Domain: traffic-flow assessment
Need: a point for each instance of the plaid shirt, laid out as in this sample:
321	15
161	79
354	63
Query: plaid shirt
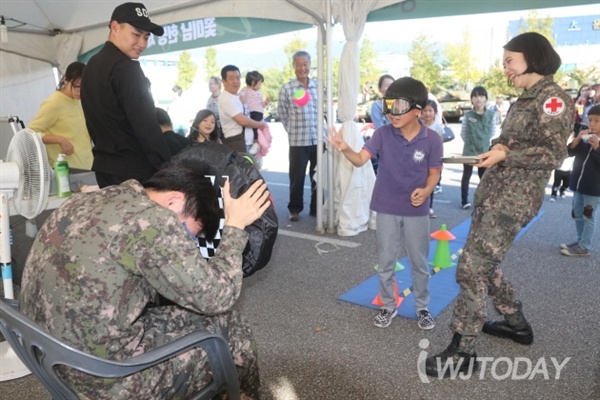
299	122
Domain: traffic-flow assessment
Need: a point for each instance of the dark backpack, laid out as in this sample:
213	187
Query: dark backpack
241	173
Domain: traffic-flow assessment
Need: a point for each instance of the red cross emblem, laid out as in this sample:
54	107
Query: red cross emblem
554	106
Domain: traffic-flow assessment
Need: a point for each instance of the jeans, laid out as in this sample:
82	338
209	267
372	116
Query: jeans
585	213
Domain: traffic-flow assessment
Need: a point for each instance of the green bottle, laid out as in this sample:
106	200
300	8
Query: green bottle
61	172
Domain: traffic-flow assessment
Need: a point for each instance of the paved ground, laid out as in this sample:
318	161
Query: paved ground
314	347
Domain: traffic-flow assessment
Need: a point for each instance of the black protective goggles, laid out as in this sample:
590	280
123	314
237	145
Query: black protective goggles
398	106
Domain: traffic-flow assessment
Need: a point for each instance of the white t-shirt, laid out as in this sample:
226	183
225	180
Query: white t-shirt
230	105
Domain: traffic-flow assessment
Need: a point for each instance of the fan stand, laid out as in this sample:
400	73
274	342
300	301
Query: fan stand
11	366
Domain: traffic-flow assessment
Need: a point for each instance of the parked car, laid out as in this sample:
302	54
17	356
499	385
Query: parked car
363	110
454	104
270	114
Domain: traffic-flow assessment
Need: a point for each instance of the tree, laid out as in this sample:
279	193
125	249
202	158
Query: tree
369	71
462	63
496	83
424	62
187	70
534	22
211	67
274	79
587	75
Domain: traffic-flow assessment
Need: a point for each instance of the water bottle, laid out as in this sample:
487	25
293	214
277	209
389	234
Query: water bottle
61	172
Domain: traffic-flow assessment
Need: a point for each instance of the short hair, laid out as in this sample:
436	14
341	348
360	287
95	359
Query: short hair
539	54
226	69
253	77
162	116
215	79
195	132
300	53
409	88
479	91
201	202
73	72
383	78
595	110
432	104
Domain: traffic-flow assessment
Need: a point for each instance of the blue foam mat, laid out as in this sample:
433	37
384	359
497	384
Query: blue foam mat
443	288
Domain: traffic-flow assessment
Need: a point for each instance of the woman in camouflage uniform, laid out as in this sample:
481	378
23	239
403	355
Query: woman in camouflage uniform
511	192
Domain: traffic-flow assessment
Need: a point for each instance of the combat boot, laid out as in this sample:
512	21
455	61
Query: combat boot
514	327
459	357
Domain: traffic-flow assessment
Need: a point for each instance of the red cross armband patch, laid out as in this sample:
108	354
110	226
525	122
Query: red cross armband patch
554	106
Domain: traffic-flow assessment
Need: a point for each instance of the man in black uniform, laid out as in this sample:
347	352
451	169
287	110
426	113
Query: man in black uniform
118	106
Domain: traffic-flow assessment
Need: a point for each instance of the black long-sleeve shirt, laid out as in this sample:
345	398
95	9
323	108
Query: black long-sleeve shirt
585	176
121	117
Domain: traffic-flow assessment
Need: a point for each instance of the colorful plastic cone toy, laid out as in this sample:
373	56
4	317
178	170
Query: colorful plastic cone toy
441	258
399	299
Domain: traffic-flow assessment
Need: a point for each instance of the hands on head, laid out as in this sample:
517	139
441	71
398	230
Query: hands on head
247	208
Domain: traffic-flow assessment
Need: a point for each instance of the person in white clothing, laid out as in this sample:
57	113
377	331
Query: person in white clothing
235	120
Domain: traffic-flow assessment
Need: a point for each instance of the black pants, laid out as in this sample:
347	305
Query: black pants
466	178
256	116
560	177
300	158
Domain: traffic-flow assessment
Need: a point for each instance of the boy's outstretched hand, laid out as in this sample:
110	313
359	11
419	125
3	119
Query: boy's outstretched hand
336	138
247	208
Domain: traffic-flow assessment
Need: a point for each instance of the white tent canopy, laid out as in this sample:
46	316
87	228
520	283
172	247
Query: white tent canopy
57	31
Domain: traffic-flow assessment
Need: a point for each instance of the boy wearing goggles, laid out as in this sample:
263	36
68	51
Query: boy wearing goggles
410	161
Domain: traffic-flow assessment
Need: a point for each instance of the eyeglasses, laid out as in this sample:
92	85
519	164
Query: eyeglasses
76	86
399	106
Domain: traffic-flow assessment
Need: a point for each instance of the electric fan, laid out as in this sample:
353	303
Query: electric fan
24	178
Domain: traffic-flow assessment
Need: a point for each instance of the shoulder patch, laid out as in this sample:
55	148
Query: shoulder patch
554	106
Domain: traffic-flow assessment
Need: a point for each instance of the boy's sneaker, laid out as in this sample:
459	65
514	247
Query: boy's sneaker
576	251
425	321
568	245
552	199
562	196
384	318
254	148
432	213
466	206
438	189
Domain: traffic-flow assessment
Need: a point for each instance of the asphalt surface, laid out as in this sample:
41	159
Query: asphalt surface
313	346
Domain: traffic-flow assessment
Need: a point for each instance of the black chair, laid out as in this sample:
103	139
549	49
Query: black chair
41	353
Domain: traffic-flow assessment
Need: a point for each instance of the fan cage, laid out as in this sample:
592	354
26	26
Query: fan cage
27	150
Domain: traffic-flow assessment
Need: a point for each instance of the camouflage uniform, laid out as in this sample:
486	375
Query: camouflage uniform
509	195
101	258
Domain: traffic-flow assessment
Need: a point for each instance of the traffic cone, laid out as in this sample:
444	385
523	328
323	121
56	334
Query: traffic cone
441	258
377	300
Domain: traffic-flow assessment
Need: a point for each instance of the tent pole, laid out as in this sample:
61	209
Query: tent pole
330	121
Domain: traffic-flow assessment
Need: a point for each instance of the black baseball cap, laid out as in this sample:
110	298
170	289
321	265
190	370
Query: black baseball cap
136	15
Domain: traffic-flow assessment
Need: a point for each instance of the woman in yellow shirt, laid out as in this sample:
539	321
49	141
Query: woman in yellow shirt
61	122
